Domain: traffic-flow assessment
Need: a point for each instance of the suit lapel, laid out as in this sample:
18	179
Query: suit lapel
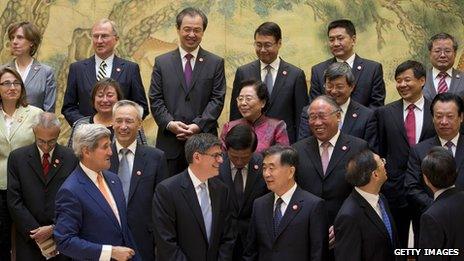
397	117
90	73
312	150
427	123
215	209
455	78
118	68
429	88
178	69
371	214
268	213
35	68
350	119
357	69
290	212
117	196
226	175
56	163
251	178
114	159
190	196
199	64
20	116
35	163
279	83
138	170
340	149
256	68
459	155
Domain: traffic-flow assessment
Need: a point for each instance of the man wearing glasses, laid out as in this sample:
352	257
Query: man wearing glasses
191	214
324	156
442	77
286	83
35	173
104	64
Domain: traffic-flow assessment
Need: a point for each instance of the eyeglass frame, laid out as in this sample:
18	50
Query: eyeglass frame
9	84
216	156
322	116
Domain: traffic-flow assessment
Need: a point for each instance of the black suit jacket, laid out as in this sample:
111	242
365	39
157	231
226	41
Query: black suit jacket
418	194
31	196
149	169
442	226
255	187
359	122
332	186
369	85
82	77
180	232
360	233
301	235
394	147
289	94
171	100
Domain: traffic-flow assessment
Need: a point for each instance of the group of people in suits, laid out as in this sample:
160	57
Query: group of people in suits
355	176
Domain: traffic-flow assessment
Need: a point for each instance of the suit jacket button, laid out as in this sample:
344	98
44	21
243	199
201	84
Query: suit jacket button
187	98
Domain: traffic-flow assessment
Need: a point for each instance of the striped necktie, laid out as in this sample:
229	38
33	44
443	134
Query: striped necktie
101	71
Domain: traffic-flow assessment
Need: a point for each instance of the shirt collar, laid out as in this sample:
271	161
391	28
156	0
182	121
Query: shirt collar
108	60
349	61
41	153
419	104
440	191
332	141
131	147
287	196
454	140
344	106
232	166
372	199
196	182
184	52
275	64
92	174
435	72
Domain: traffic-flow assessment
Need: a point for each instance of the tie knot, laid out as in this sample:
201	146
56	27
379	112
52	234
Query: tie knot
411	107
325	144
46	156
268	68
279	202
124	151
188	56
103	64
449	144
443	75
202	186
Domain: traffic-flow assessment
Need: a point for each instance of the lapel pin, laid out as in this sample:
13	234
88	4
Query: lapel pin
344	148
458	76
57	161
359	67
20	119
284	72
139	173
256	167
295	207
200	59
36	68
118	69
112	182
355	115
54	165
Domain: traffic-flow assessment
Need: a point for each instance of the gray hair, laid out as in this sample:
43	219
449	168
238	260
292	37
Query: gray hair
88	135
123	103
46	120
200	143
336	70
106	20
329	99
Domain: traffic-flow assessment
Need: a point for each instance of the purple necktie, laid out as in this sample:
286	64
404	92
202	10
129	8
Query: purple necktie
410	125
188	70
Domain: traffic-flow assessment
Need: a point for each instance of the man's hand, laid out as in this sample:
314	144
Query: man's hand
41	234
331	237
120	253
177	127
191	129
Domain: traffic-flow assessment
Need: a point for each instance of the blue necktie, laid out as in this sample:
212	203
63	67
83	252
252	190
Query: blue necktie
385	219
277	215
124	172
205	209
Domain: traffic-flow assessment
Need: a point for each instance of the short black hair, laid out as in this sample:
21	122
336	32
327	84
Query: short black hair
442	36
343	23
360	167
260	89
448	97
288	155
191	11
241	137
269	29
417	68
439	167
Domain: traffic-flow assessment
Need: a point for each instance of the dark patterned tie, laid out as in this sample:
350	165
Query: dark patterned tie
45	164
268	79
277	215
238	185
188	70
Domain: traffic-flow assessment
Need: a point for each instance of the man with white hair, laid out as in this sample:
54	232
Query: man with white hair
91	221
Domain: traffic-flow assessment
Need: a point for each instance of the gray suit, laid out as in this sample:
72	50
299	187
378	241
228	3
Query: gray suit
456	86
40	86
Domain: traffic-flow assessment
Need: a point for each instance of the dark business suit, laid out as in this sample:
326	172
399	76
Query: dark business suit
301	234
332	187
361	234
31	196
82	77
419	195
180	232
149	169
172	100
359	121
456	85
85	220
441	225
394	147
289	94
369	87
255	187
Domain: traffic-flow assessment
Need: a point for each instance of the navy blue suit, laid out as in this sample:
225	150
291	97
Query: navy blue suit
82	77
149	169
84	219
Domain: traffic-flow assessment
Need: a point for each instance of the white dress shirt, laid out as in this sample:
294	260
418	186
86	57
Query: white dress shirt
372	199
184	60
418	114
26	72
436	79
196	185
332	142
109	65
286	197
344	108
349	61
130	155
454	140
41	154
275	68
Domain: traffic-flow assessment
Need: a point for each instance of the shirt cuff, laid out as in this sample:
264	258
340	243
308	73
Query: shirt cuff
106	253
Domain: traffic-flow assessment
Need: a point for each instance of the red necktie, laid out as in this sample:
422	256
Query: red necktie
45	164
442	86
410	125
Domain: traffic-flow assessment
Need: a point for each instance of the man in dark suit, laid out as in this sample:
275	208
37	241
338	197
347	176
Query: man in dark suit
287	223
442	77
447	112
187	90
326	154
286	83
35	173
242	172
140	169
191	212
91	220
441	224
104	64
369	85
364	227
400	125
356	119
